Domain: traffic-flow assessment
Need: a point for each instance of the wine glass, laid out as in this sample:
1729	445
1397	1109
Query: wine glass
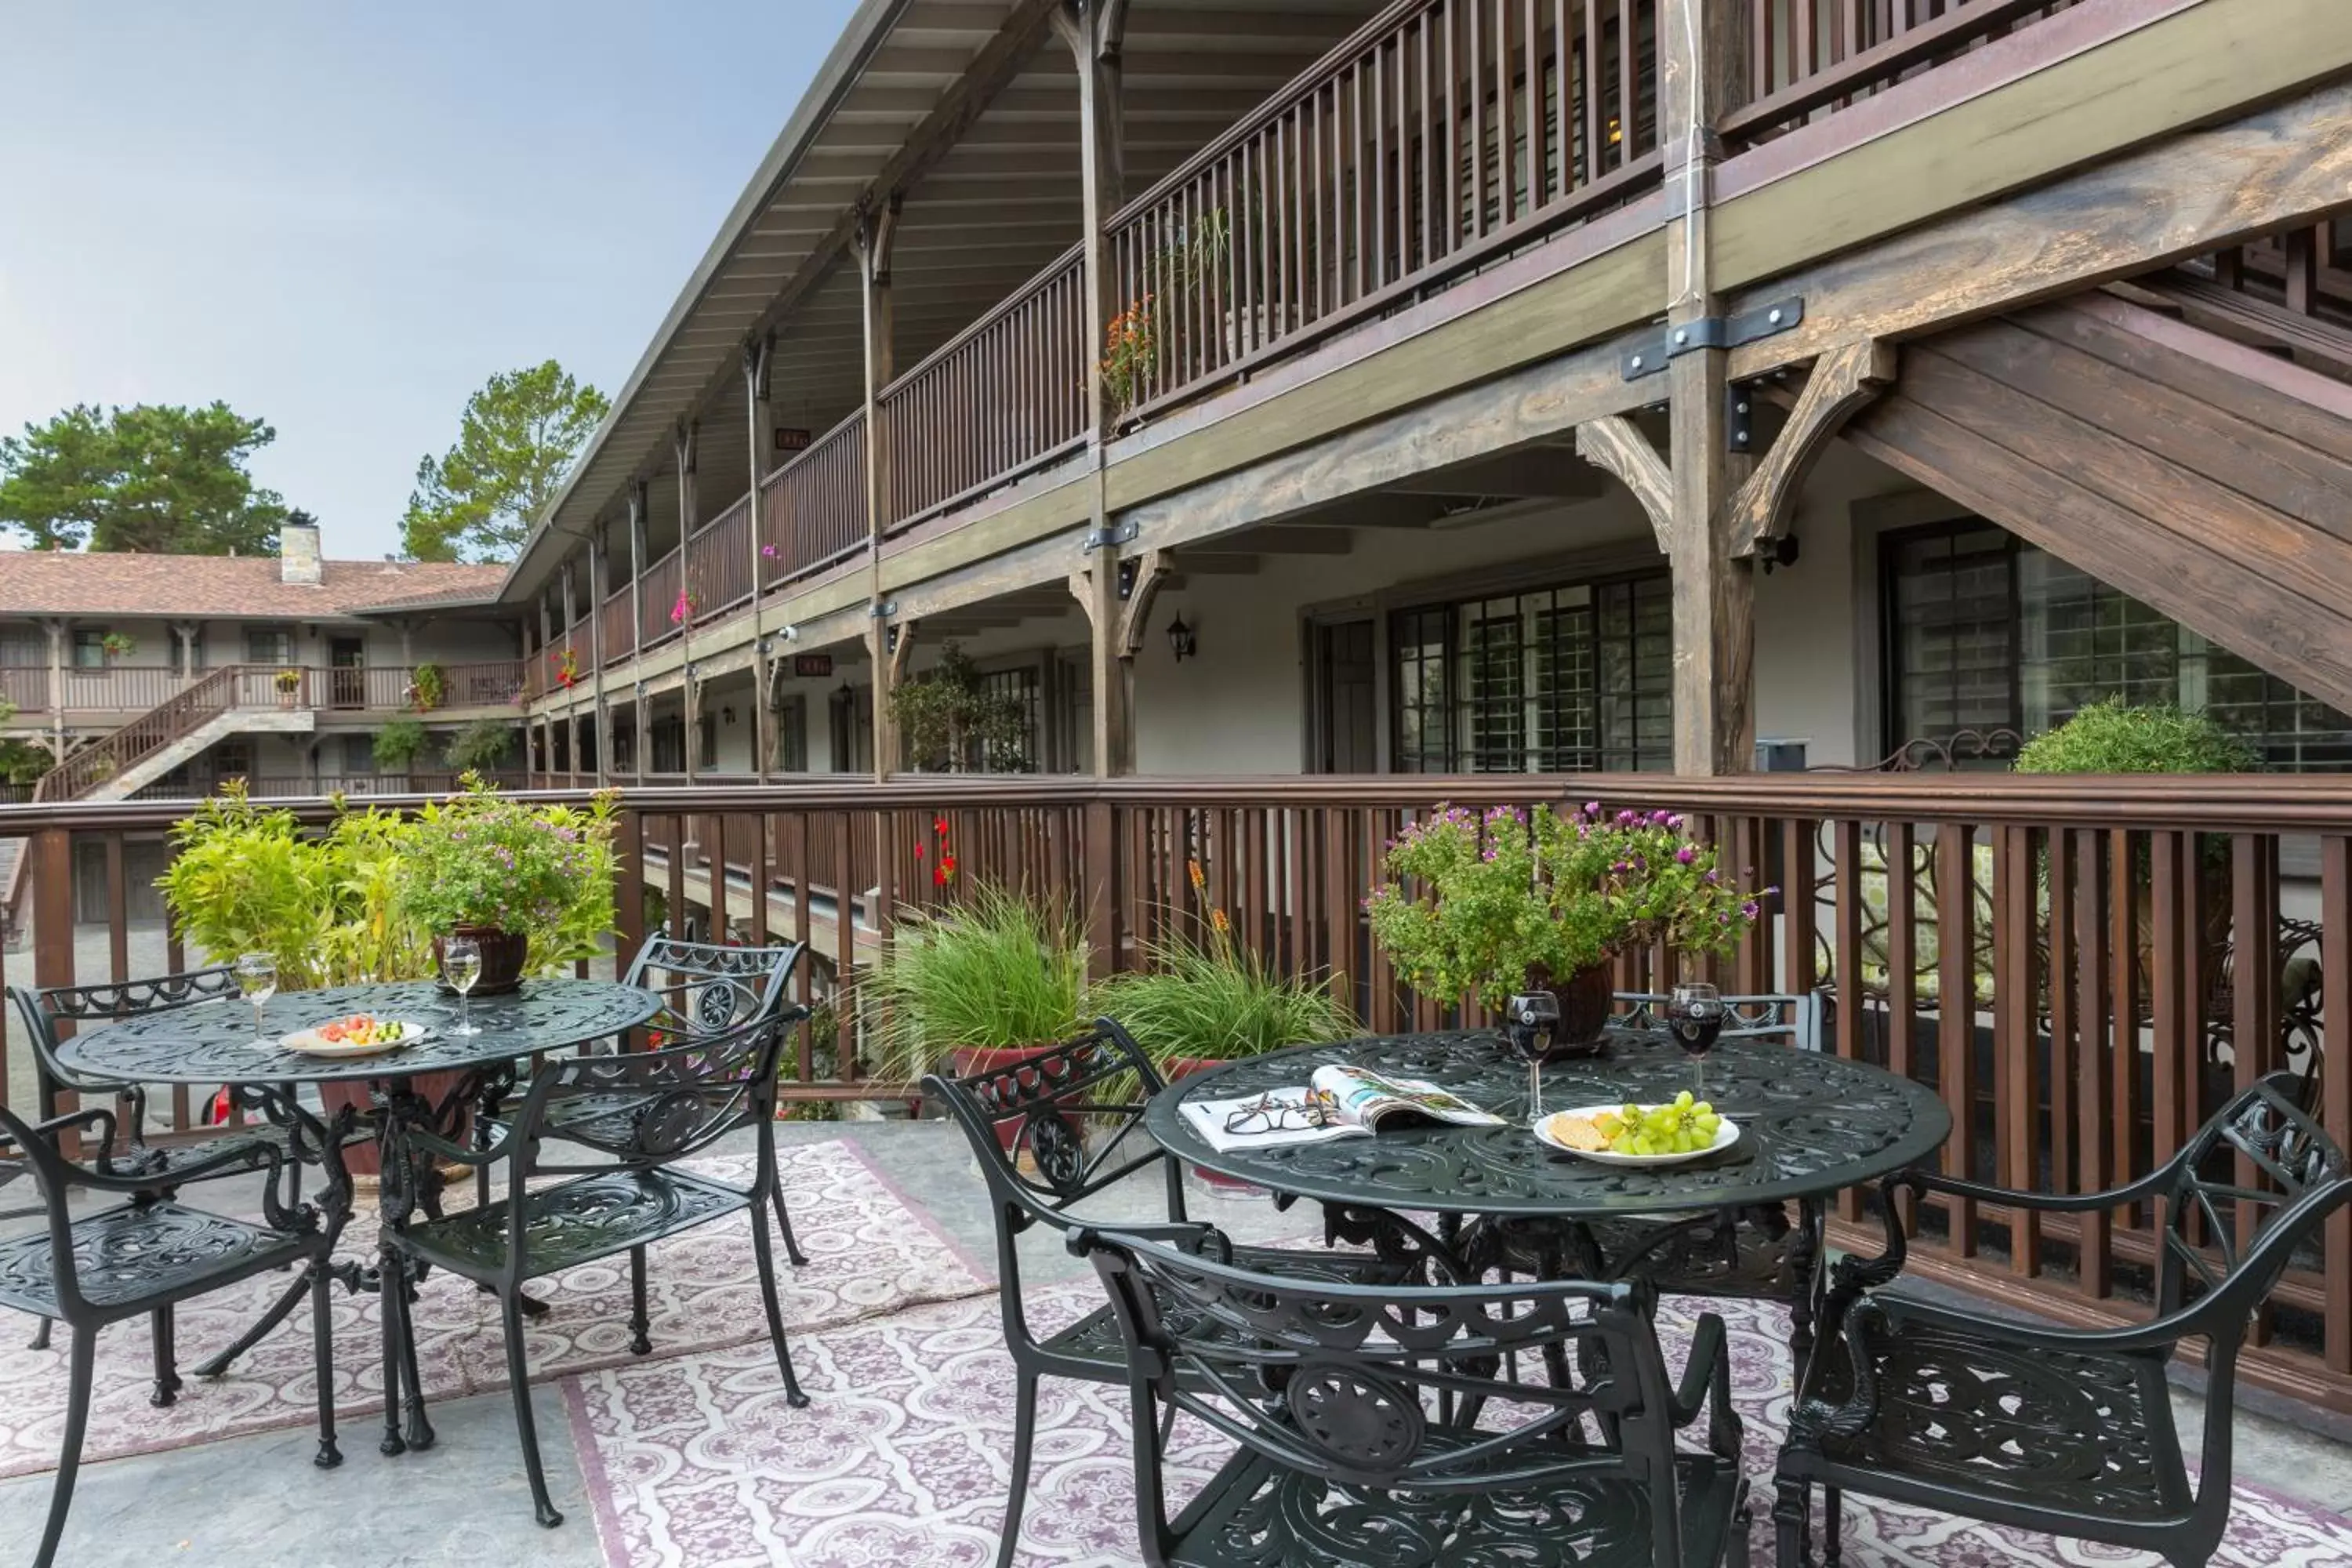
1695	1018
461	965
256	976
1531	1021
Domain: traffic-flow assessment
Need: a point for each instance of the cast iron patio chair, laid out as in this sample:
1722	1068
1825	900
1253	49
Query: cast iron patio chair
2064	1431
1350	1450
705	990
662	1108
160	1169
1076	1112
142	1258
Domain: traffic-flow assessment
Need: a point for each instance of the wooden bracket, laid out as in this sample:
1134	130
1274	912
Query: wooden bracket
1842	380
878	230
1616	444
902	646
1082	589
1134	616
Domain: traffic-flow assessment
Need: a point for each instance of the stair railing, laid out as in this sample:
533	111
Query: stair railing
173	719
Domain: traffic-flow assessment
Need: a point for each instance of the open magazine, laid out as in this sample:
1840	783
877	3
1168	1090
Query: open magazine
1341	1102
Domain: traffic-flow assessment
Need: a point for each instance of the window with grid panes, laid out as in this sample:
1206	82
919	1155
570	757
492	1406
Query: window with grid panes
1574	678
1985	632
1020	686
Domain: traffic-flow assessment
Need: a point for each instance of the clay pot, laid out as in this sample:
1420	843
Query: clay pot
503	954
968	1060
1586	1003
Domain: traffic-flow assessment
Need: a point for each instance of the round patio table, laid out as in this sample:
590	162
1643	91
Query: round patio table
1810	1126
216	1043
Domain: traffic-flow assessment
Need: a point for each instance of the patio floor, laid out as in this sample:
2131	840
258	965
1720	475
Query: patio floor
256	1499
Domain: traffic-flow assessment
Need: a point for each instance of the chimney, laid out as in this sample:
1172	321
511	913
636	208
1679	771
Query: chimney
297	553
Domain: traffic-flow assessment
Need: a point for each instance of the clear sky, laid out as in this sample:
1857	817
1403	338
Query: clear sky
344	216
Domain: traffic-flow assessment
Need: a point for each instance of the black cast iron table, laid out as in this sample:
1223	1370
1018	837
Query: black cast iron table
214	1043
1811	1125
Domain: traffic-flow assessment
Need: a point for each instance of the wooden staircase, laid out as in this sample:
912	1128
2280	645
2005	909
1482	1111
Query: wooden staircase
2206	473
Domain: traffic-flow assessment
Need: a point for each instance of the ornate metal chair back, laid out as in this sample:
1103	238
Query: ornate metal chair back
1797	1019
44	1011
1347	1383
2250	1188
706	988
663	1106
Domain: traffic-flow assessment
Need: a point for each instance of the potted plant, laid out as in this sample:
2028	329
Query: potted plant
532	886
983	985
427	687
479	746
566	663
288	682
118	645
2117	737
1482	907
397	745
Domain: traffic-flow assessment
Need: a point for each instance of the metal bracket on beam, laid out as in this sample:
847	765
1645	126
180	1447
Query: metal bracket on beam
881	609
1739	417
1111	538
1653	351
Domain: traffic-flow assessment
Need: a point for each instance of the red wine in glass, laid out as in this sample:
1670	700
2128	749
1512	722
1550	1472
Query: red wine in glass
1695	1018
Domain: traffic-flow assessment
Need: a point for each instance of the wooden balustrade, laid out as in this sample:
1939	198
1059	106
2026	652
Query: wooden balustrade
121	688
812	510
1006	395
657	598
719	561
26	687
1810	58
619	627
1442	134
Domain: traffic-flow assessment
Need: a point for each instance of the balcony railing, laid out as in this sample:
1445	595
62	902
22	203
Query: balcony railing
2080	968
1444	133
26	686
1812	58
1006	395
719	561
657	598
122	688
618	619
812	510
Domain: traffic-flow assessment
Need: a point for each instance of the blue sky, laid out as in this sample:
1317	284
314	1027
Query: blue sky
343	217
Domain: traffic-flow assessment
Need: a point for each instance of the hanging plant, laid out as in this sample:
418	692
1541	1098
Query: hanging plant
118	645
427	687
682	613
566	660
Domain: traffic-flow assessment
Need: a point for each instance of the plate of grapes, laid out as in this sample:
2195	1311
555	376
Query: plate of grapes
1679	1130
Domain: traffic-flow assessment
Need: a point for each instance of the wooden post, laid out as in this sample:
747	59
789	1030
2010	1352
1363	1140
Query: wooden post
596	595
1092	29
757	352
1702	56
56	630
571	645
683	442
878	225
637	509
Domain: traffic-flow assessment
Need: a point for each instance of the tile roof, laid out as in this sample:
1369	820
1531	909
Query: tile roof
67	583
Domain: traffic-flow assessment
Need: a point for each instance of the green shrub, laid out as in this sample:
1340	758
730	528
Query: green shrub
2115	737
480	746
1218	1000
481	859
996	972
397	744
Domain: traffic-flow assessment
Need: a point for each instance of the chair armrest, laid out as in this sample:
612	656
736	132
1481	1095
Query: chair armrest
1706	1380
2155	1184
442	1149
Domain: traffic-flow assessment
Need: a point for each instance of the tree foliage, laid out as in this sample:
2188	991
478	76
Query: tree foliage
483	743
154	478
952	721
515	443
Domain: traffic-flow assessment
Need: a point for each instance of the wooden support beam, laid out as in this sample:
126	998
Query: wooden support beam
1151	571
1842	381
1217	563
1540	470
1328	540
1615	445
877	223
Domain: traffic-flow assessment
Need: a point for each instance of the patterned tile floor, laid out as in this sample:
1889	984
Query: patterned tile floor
253	1499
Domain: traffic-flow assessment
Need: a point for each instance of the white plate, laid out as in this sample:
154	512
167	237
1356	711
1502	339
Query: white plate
1726	1135
310	1043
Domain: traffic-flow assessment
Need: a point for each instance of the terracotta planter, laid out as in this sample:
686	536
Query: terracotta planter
1178	1068
361	1159
1585	1004
971	1061
503	952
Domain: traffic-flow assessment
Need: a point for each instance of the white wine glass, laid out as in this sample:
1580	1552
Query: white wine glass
256	976
461	965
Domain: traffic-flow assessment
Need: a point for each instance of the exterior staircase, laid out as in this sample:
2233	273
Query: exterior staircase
236	699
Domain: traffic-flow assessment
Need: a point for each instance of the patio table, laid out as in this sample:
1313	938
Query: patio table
1811	1125
213	1043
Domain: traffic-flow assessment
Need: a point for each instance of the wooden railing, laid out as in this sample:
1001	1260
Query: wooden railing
215	693
296	786
121	688
26	686
620	626
812	510
492	683
1442	133
1006	395
1810	58
2081	968
719	561
657	600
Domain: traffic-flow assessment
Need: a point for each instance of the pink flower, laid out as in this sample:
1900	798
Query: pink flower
1685	855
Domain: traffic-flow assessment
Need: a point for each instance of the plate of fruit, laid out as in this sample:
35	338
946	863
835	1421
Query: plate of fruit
1631	1134
356	1035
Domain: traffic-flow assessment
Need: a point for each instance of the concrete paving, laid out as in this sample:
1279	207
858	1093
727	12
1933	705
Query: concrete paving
255	1500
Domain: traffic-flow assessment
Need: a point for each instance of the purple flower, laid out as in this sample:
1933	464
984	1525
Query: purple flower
1628	818
1710	879
1685	855
1748	908
1592	808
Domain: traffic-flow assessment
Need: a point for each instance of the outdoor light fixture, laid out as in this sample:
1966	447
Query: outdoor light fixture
1781	552
727	714
1180	638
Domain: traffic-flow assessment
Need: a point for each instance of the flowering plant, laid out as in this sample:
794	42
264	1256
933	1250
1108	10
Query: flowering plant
566	660
480	859
1129	344
683	611
1480	900
287	681
944	869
